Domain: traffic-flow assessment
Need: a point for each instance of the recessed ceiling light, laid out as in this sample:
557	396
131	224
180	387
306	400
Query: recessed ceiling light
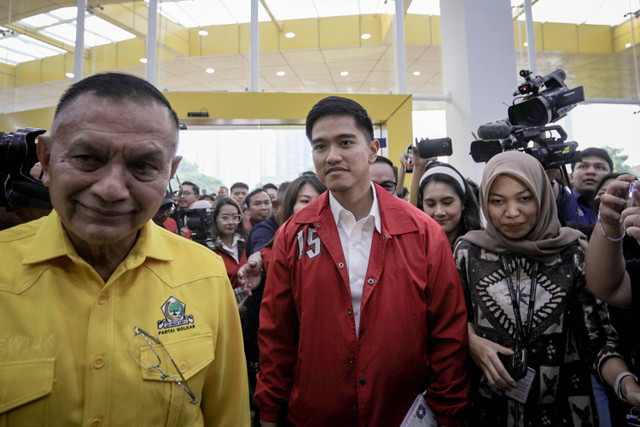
290	35
203	33
143	60
280	73
210	70
628	45
344	73
416	73
70	75
525	44
365	36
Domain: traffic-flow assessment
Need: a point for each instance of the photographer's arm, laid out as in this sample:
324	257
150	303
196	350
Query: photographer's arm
628	387
605	265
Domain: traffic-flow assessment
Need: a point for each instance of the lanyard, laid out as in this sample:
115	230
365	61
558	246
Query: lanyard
524	335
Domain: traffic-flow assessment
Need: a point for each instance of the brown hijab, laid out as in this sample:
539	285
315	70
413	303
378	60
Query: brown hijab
547	237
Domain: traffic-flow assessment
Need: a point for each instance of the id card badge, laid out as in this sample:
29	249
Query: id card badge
419	415
521	391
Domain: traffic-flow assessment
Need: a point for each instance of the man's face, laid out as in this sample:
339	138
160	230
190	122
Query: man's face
223	191
107	165
382	174
272	193
342	155
239	194
587	174
187	197
259	207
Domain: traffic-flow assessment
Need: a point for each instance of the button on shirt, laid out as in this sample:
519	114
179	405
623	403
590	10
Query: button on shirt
233	250
356	238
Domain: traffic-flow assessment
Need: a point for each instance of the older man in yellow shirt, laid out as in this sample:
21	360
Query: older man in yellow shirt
106	318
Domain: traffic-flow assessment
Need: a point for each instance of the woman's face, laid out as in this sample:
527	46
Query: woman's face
306	195
441	202
226	221
512	207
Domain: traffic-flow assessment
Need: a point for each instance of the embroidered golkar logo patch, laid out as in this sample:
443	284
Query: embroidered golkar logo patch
174	315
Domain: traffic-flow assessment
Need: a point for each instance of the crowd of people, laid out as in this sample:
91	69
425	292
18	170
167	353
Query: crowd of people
338	298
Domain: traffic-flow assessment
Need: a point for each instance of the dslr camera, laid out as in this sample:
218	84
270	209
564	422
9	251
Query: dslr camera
199	221
436	147
538	102
17	157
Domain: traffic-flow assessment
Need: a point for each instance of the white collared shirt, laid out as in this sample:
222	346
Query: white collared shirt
356	239
233	250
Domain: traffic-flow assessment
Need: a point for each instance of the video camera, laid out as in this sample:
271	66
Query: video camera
17	157
199	221
539	101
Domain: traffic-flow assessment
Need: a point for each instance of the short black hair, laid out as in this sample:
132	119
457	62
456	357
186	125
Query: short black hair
339	106
239	185
196	189
596	152
116	87
382	159
270	185
247	199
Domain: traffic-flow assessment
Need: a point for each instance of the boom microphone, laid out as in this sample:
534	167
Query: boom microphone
496	130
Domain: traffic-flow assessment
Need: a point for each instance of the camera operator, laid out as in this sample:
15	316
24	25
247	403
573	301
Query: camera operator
575	207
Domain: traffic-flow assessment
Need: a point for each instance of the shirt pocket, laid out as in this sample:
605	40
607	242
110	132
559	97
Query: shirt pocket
163	400
25	387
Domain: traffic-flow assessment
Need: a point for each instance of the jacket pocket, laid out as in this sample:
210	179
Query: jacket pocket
24	387
164	391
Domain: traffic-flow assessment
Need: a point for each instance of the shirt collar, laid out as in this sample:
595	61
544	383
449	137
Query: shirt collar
337	208
51	241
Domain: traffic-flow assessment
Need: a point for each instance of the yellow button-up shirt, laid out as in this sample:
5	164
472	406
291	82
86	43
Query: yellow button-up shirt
68	352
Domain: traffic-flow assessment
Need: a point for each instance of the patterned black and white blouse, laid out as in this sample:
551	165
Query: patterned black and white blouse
571	336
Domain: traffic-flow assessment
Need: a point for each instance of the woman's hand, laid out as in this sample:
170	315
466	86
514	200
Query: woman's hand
250	274
485	354
631	391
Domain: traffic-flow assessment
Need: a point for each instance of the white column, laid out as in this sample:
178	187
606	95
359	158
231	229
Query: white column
78	54
401	63
479	67
531	37
152	42
254	54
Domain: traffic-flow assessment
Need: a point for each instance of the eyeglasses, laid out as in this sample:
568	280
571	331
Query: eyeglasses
185	193
161	354
234	218
390	186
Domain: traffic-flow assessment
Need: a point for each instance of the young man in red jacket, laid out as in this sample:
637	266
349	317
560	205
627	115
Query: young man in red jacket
363	308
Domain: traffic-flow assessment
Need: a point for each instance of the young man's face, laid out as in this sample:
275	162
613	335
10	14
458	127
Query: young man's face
342	154
587	173
239	194
187	196
259	207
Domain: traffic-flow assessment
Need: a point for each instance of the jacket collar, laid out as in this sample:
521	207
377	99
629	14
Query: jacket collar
394	212
51	241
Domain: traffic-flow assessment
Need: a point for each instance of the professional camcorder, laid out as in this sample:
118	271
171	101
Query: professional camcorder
17	157
199	221
539	101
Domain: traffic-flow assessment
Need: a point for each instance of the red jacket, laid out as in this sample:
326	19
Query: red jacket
413	324
232	266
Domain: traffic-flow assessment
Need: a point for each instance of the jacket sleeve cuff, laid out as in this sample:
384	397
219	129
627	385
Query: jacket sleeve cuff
270	417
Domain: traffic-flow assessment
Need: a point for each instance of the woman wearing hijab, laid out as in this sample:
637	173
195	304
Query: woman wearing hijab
536	332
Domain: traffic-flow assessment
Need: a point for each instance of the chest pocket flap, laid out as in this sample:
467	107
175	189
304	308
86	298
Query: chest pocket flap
190	356
24	381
